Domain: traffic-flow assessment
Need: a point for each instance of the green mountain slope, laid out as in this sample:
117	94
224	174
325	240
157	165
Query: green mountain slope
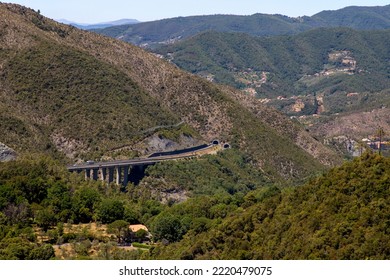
67	91
324	62
327	76
365	18
93	103
343	214
291	61
168	30
174	29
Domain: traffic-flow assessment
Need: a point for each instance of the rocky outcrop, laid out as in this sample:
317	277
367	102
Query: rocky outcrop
6	153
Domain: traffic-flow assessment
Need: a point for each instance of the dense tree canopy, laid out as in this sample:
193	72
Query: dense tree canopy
342	214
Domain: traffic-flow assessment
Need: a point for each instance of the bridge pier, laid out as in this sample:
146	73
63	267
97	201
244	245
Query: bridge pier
111	174
87	174
125	175
95	172
103	174
121	175
118	175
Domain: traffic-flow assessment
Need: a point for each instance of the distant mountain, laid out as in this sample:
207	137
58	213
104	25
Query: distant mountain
73	93
171	30
99	25
332	74
363	18
316	61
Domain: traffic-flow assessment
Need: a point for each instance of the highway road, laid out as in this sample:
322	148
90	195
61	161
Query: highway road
210	149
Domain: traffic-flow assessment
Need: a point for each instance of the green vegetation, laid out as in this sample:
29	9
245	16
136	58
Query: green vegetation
76	91
84	96
162	31
231	211
41	203
230	172
343	214
290	61
168	30
38	197
366	18
76	94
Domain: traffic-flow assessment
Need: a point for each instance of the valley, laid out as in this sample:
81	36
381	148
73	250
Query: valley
232	142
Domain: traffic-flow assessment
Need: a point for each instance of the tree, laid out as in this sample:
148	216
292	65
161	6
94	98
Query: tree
84	203
16	248
18	214
167	226
45	218
141	234
380	133
45	252
110	210
59	196
121	229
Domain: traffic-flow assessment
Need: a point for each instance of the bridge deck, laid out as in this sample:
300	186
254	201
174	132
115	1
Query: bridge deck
145	161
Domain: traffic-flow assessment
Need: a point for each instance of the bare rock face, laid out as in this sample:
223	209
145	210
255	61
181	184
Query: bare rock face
6	153
159	144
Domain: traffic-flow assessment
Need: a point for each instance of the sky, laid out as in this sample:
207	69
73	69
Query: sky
97	11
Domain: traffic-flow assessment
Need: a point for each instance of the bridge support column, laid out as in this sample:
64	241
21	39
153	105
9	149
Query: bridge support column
103	174
87	174
118	175
125	175
111	174
95	172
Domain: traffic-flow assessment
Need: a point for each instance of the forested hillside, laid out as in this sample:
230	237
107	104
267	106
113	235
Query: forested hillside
365	18
73	93
41	203
230	211
335	81
175	29
318	61
150	34
343	214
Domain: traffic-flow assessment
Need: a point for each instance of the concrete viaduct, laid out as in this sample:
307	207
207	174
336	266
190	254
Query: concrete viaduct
119	170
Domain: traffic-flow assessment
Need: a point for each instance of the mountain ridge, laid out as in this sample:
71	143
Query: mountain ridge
131	80
150	34
87	26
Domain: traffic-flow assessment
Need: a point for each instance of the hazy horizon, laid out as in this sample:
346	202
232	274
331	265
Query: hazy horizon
100	11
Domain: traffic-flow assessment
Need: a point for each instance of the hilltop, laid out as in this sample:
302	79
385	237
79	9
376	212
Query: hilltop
70	92
172	30
362	18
